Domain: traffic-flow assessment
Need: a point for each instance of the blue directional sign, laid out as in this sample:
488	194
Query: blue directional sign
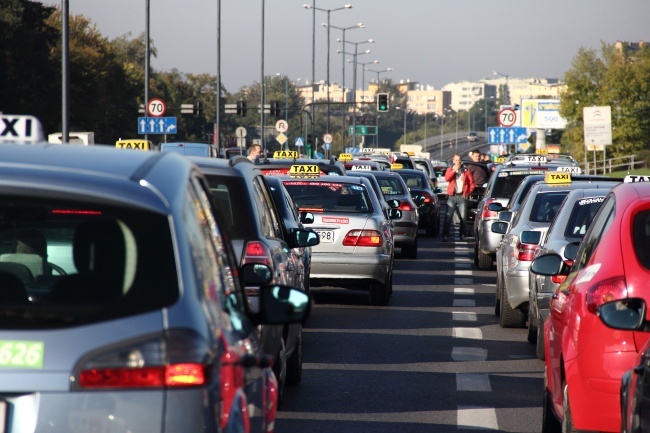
156	125
513	135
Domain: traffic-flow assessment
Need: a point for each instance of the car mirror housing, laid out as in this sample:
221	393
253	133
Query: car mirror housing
281	305
548	264
256	274
394	203
394	214
495	207
571	250
506	216
531	237
418	199
625	314
500	227
306	217
305	238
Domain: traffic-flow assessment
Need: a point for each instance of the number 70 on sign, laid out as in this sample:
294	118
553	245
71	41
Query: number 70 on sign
507	117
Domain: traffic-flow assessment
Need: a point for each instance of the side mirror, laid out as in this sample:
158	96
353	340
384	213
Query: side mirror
256	274
418	199
625	314
394	203
530	237
495	207
394	214
304	238
500	227
571	250
549	265
306	217
282	304
438	190
505	215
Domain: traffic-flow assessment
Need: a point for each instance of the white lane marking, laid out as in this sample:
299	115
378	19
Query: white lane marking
463	291
460	272
469	333
473	382
461	316
463	281
473	417
468	354
464	303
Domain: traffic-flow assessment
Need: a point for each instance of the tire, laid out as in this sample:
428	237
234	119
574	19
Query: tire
379	293
497	298
411	251
484	260
294	364
550	423
539	346
509	317
476	254
532	330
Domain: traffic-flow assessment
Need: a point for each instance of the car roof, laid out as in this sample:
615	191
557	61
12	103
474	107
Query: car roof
327	166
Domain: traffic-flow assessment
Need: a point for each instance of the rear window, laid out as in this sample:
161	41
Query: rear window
546	206
581	216
66	263
329	196
391	186
642	237
413	181
506	182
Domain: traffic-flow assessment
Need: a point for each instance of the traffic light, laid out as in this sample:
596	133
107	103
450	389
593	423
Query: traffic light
275	109
242	108
198	109
382	102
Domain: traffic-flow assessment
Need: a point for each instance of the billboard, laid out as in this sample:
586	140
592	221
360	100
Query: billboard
541	114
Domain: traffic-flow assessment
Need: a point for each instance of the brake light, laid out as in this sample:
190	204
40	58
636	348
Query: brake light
606	291
257	252
363	238
406	206
526	252
75	212
487	213
231	380
157	377
559	279
427	197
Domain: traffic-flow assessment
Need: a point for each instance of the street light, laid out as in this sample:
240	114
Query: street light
403	109
380	72
507	92
363	75
329	11
354	82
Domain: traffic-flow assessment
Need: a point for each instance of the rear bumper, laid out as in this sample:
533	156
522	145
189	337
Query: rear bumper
355	268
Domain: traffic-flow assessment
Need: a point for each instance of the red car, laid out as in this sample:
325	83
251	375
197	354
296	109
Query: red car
585	360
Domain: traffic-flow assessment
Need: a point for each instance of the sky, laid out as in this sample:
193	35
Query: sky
431	42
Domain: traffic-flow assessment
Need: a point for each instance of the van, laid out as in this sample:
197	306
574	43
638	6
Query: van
187	149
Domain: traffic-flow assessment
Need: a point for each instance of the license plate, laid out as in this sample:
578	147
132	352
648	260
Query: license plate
326	236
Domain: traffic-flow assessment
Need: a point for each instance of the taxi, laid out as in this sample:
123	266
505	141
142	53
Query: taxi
521	237
356	249
585	361
135	144
283	160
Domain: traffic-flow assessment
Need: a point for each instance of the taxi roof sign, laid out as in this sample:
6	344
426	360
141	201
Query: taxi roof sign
361	167
395	166
285	154
635	178
557	178
304	170
345	157
20	129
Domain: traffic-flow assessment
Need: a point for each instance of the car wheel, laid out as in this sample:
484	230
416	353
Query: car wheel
380	293
539	347
509	317
280	371
411	251
550	423
484	260
294	364
497	298
532	330
476	254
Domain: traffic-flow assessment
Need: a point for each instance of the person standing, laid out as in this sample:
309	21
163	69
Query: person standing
254	151
461	185
480	172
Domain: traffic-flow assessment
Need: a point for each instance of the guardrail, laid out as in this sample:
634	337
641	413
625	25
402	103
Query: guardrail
618	163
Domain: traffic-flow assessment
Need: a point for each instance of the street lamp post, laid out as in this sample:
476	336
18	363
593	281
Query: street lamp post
363	75
354	84
442	129
329	11
380	72
404	110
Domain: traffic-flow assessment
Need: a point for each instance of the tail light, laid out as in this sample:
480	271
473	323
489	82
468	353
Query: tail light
406	206
174	361
363	238
606	291
427	197
231	381
526	252
257	252
559	279
270	403
487	213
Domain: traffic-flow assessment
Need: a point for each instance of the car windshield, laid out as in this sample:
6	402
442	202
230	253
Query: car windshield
329	196
65	263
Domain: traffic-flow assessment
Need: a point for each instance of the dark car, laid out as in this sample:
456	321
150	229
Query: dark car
245	205
119	285
426	197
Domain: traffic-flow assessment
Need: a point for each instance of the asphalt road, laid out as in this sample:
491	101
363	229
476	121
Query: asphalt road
434	360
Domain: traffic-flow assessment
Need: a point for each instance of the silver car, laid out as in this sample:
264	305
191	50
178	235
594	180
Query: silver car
519	245
569	226
121	309
356	248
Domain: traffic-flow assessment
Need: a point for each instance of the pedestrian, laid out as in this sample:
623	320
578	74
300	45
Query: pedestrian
479	169
254	151
460	186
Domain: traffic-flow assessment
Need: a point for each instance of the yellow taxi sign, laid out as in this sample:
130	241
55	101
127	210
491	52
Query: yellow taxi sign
541	151
396	166
285	154
410	153
345	157
304	170
555	177
500	159
134	144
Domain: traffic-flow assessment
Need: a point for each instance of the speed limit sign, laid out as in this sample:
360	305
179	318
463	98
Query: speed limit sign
156	107
507	117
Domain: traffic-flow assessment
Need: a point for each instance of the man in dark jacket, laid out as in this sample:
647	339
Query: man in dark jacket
461	185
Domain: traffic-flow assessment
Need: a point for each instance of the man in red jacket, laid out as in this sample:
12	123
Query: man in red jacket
461	184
